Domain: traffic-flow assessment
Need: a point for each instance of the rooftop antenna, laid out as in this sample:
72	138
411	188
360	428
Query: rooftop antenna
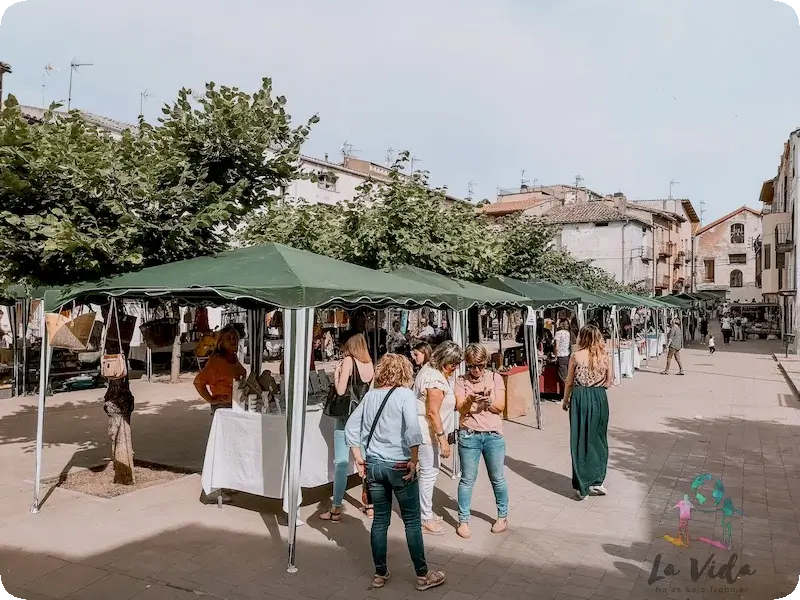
347	150
702	211
143	96
74	65
523	183
672	183
46	70
578	181
4	68
471	189
389	156
414	160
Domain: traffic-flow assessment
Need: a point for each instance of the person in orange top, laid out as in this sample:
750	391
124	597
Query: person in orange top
215	382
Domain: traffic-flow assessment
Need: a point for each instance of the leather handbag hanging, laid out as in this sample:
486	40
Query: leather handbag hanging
342	406
113	366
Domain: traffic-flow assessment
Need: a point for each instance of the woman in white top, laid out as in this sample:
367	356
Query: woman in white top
436	404
563	340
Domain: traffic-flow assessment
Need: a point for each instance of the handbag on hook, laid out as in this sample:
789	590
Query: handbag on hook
113	366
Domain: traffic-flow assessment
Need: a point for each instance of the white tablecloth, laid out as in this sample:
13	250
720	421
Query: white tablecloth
652	347
637	357
246	451
626	362
662	342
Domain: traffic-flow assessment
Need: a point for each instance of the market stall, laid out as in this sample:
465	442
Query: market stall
259	278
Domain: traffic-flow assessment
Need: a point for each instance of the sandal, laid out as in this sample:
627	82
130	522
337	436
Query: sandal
378	581
369	511
432	528
330	515
463	531
431	580
500	525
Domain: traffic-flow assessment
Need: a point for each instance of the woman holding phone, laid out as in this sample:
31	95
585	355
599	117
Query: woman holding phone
480	399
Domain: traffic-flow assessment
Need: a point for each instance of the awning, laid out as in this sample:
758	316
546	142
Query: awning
540	295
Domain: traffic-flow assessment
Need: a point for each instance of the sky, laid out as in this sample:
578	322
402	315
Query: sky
628	94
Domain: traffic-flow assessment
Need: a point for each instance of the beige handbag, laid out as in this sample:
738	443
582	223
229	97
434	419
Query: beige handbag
113	366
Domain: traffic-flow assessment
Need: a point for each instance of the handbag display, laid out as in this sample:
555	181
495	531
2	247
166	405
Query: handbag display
113	366
342	406
69	333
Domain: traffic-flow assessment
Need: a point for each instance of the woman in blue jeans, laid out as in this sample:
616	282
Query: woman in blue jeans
480	399
384	435
356	371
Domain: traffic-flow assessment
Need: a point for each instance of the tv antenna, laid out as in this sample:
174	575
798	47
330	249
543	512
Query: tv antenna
74	65
143	96
471	189
389	156
578	181
702	211
672	183
46	70
523	183
414	160
347	150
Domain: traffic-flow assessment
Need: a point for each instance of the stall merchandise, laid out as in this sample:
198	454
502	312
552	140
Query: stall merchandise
261	278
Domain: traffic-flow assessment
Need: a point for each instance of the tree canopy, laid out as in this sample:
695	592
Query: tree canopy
404	221
77	204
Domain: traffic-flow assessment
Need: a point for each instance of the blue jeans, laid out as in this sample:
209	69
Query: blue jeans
385	479
341	460
471	445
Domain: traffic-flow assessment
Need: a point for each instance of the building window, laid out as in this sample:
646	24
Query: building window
767	256
709	274
601	224
780	260
737	259
327	182
736	278
737	233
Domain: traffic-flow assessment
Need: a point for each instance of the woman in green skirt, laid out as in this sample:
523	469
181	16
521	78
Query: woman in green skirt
590	373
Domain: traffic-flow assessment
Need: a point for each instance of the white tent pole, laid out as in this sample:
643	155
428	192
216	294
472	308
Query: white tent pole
44	373
298	332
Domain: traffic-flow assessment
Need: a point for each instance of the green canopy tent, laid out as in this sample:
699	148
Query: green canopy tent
270	276
540	295
17	299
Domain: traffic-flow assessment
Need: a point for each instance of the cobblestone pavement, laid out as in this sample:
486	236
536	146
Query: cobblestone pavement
732	416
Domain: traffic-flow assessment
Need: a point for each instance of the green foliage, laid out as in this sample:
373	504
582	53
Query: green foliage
76	204
402	221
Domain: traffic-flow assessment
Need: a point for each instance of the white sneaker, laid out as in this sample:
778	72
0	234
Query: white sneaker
578	495
220	496
598	490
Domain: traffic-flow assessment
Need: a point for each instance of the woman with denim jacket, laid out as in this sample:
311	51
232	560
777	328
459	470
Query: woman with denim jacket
480	399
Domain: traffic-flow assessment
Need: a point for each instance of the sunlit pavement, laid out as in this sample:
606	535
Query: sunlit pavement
732	416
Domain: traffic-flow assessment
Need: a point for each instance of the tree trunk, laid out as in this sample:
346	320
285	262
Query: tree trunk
119	408
175	371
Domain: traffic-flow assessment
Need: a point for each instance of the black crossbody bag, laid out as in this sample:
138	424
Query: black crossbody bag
366	498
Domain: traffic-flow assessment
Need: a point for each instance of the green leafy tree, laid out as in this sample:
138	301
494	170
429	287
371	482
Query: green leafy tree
76	204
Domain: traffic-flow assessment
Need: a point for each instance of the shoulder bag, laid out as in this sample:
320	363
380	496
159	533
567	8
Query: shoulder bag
113	366
366	498
342	406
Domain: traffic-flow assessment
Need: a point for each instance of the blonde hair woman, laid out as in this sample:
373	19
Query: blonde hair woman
384	435
354	371
436	404
481	398
590	374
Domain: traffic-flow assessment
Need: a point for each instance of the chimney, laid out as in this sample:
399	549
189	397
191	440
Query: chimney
621	202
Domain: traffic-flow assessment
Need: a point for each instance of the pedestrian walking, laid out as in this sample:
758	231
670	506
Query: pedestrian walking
703	329
711	345
384	436
481	398
563	347
726	329
675	345
586	400
692	327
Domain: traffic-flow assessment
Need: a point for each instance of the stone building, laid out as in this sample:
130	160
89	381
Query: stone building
725	256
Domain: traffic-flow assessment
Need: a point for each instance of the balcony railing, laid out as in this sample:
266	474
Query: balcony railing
662	282
680	256
666	249
786	280
783	237
646	254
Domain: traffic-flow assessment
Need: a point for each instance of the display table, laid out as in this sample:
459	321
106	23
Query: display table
637	355
246	451
549	382
519	392
626	362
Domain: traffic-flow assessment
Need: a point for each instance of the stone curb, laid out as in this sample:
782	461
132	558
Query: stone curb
788	377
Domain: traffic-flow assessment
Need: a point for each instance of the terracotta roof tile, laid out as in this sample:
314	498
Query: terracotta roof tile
504	208
590	212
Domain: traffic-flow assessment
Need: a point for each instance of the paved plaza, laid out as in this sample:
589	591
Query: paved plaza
733	416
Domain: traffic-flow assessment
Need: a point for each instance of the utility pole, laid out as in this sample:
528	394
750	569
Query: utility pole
73	68
414	160
471	190
4	68
142	97
702	211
